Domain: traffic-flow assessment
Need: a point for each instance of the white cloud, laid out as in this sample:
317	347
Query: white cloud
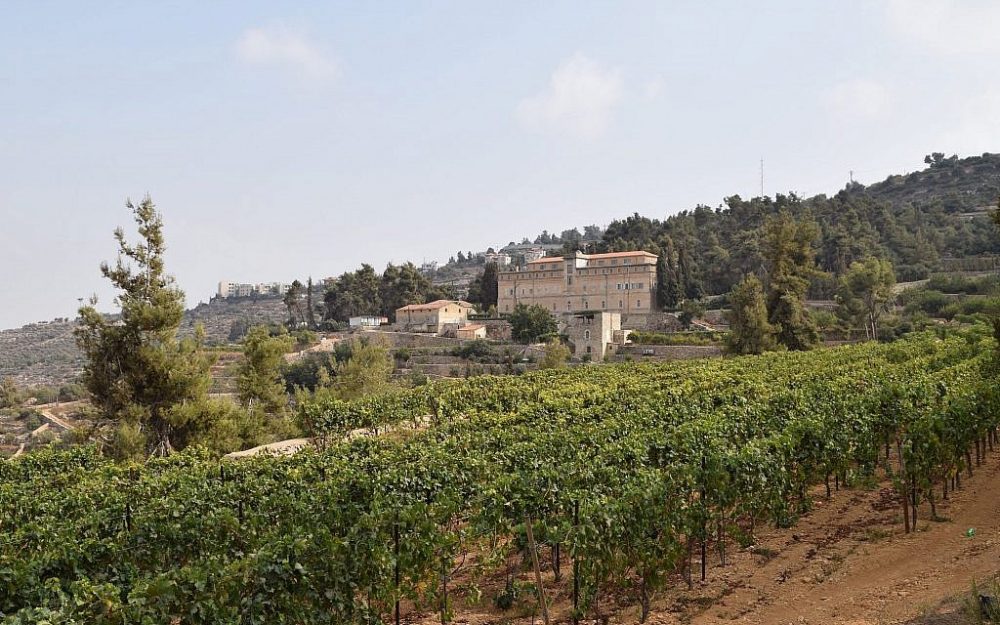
947	26
579	100
860	99
654	88
279	46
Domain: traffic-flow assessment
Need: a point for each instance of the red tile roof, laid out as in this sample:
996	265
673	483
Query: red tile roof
553	259
441	303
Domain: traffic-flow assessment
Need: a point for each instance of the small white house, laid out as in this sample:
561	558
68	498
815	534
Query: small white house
367	321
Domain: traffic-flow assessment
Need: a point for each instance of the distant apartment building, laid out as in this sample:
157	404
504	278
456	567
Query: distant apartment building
523	253
497	258
624	282
246	289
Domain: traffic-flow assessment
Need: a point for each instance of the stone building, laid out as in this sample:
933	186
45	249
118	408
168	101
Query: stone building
471	331
433	317
624	282
594	333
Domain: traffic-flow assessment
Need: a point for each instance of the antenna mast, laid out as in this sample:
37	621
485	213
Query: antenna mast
762	176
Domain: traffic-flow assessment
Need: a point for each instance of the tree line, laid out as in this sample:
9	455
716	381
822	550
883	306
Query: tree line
912	221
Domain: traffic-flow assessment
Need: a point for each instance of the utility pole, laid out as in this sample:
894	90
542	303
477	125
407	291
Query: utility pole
762	176
852	176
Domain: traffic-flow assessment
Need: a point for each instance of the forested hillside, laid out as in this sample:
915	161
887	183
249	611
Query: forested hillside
914	220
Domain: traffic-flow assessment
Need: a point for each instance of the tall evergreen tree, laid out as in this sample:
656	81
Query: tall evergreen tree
293	302
139	374
310	311
788	248
690	284
259	374
489	286
749	330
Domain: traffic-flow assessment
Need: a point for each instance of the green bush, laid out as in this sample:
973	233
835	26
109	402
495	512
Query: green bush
640	337
922	300
476	349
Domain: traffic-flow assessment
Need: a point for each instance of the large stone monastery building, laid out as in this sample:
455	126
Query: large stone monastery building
623	282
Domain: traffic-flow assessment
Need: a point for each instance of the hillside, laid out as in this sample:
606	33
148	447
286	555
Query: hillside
915	220
45	353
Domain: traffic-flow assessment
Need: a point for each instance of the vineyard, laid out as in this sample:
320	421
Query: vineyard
619	479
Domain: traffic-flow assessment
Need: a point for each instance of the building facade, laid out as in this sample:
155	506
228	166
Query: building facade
246	289
471	331
594	334
367	321
433	317
624	282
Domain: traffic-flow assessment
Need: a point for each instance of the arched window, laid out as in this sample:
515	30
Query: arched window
586	335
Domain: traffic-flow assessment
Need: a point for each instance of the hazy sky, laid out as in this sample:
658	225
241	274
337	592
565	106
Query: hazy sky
282	140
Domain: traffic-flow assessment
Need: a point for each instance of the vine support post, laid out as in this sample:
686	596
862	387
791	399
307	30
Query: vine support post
444	594
904	488
704	523
538	570
556	564
395	540
576	568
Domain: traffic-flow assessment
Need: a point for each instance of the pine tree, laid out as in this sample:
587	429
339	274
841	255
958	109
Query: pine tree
690	284
791	258
489	292
749	330
259	374
138	373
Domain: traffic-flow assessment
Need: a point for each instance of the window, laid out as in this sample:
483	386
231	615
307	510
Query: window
603	304
586	335
586	304
588	349
638	303
621	304
569	305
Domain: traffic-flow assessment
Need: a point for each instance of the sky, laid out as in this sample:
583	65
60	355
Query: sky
283	140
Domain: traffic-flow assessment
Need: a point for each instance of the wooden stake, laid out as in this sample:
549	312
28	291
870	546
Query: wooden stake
538	570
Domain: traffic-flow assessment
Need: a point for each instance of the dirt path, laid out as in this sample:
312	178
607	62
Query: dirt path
849	563
56	420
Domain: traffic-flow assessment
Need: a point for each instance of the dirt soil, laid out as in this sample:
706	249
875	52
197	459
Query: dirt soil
846	562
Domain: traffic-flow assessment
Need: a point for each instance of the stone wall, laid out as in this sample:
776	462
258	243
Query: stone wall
668	352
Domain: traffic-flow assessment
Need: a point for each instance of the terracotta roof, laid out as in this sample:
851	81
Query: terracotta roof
551	259
441	303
